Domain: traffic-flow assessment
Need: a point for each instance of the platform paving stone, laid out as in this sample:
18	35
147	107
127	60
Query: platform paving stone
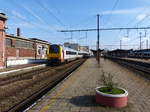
77	92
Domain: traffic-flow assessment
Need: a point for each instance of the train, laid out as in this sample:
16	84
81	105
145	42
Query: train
57	54
144	53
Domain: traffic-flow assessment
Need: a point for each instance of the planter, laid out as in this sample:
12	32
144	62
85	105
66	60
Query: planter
113	100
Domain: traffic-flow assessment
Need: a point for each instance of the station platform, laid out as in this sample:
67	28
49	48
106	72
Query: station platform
77	92
139	60
22	68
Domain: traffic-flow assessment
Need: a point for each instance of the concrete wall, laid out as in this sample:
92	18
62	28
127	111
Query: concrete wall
25	61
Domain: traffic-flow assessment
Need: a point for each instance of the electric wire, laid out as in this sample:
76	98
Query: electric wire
113	8
35	15
132	20
50	13
31	13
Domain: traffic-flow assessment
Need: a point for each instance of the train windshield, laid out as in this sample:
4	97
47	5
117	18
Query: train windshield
54	49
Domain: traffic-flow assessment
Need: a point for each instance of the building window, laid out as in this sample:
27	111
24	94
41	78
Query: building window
8	42
39	50
24	44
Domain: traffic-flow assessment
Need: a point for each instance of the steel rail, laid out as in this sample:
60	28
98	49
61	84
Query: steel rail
137	65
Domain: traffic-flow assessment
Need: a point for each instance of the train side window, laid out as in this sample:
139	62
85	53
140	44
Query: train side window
70	53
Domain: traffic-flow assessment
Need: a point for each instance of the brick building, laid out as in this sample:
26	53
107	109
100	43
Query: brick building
15	50
20	50
3	19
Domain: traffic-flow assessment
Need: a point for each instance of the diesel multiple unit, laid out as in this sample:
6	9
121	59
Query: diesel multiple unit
60	54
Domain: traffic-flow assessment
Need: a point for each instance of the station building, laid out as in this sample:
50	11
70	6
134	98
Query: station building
117	53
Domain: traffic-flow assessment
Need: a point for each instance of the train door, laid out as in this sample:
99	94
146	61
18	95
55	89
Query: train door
62	57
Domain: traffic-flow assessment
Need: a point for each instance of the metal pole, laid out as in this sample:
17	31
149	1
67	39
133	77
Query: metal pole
140	40
71	37
86	39
120	44
98	57
146	44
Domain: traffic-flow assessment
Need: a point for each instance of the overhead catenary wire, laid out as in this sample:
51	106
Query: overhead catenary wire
86	20
53	5
32	24
141	11
115	4
50	12
34	15
102	29
37	17
42	5
113	8
145	30
133	19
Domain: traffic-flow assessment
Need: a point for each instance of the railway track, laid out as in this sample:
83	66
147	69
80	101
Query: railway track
136	65
53	75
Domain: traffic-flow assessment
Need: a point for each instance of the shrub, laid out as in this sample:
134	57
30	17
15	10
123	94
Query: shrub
107	80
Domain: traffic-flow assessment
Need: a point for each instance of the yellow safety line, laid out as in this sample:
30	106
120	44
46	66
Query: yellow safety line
59	93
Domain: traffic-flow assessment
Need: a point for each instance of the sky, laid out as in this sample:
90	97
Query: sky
44	19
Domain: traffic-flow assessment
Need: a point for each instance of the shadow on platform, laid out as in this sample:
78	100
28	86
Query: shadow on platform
84	101
89	101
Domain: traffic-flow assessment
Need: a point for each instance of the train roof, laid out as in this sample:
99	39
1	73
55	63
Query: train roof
73	50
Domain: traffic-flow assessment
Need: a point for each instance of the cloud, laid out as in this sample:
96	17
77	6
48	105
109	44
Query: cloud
123	11
141	17
17	14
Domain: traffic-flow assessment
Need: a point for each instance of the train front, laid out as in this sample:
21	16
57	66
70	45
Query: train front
55	54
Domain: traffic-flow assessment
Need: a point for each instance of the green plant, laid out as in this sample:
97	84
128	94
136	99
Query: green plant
107	80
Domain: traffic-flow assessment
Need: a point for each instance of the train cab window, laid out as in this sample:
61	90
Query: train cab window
54	49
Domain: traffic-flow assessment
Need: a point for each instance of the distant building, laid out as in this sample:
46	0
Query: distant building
74	46
84	48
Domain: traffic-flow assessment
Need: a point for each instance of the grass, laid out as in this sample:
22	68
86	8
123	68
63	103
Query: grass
113	91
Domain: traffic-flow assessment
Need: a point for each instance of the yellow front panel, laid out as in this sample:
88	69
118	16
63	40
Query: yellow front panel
54	55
